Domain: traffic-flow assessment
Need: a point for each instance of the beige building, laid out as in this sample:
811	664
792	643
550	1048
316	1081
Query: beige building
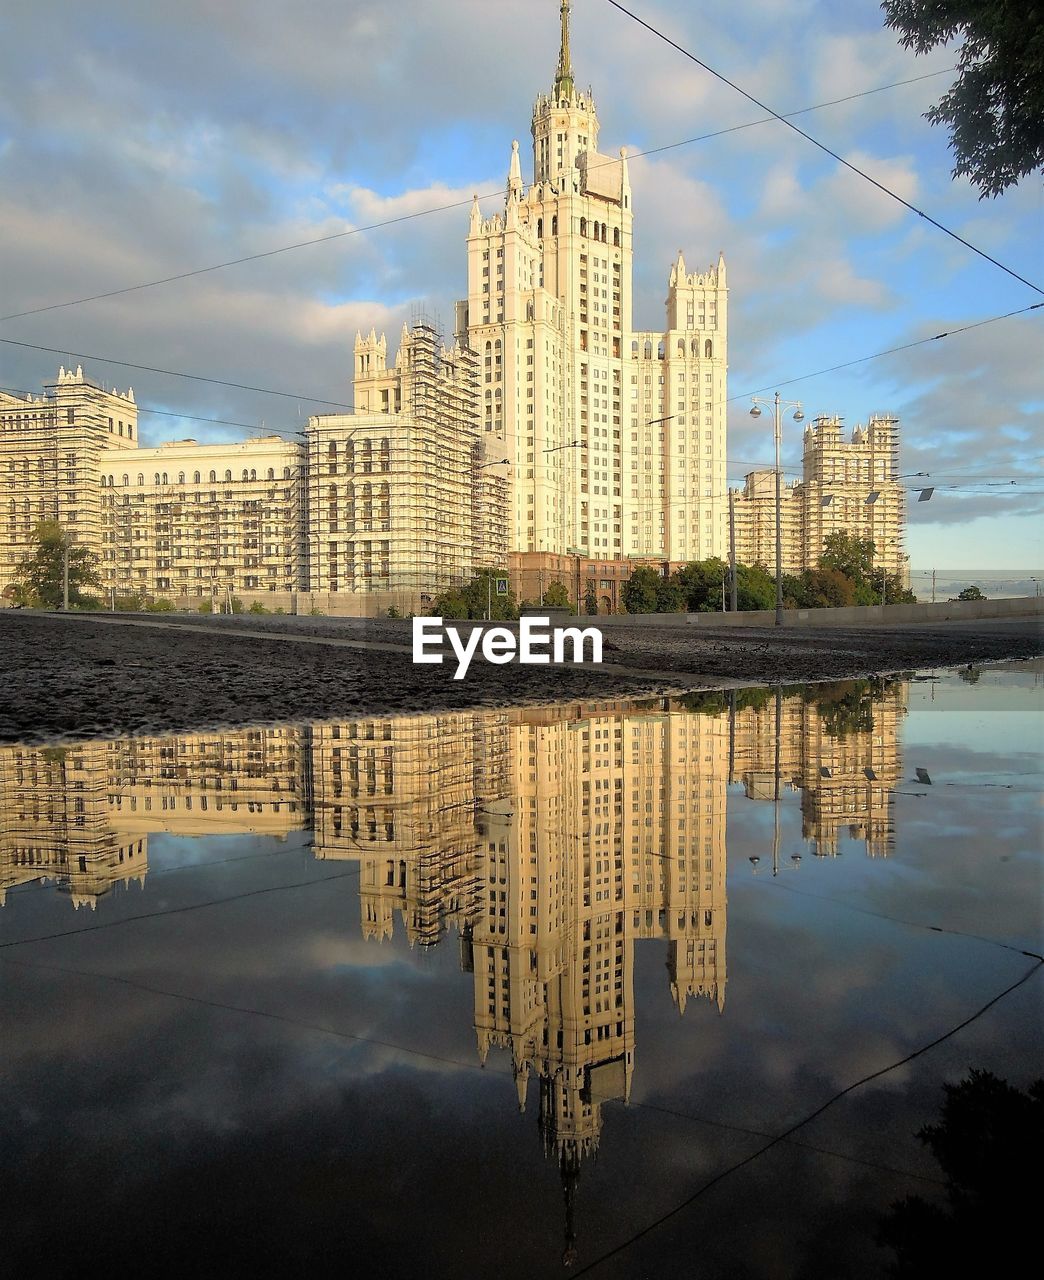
848	486
616	436
188	520
404	499
52	450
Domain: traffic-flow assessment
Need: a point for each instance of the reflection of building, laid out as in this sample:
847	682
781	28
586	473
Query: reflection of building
840	746
552	841
846	487
56	824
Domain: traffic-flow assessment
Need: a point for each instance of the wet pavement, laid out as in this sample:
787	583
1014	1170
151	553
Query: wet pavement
659	988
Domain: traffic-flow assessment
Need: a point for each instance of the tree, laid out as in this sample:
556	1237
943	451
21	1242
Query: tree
826	589
987	1142
971	593
670	598
755	587
848	554
40	574
995	109
474	597
700	583
638	593
590	600
557	596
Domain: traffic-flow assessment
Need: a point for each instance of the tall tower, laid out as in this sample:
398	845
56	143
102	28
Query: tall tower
607	429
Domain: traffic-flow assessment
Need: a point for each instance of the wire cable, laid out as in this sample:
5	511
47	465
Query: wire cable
443	208
824	148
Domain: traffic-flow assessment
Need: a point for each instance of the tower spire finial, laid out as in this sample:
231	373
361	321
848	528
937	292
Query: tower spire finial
564	77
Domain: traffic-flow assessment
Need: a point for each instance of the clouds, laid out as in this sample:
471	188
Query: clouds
146	142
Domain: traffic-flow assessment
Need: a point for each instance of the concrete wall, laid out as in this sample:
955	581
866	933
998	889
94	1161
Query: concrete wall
851	616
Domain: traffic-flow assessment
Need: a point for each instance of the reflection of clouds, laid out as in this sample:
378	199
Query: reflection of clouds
820	993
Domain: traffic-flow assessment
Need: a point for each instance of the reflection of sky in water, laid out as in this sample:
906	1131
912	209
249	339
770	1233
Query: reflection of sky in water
244	1079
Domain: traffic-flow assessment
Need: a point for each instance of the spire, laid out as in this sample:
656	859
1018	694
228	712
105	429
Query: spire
564	76
515	172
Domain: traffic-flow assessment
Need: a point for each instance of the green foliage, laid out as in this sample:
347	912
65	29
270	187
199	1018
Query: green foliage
590	600
472	599
316	612
847	706
971	593
700	584
279	611
205	607
712	703
995	107
394	613
638	593
40	574
237	605
257	607
557	596
819	589
755	587
132	602
160	606
987	1142
854	558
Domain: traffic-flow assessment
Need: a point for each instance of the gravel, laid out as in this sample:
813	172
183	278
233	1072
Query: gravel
100	676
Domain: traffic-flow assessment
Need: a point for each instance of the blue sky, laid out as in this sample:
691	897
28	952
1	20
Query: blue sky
137	142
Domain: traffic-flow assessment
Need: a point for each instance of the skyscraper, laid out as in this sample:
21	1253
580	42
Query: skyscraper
616	436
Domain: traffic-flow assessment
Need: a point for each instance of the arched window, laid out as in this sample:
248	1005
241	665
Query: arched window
681	346
156	478
181	477
332	450
213	477
196	477
708	349
385	455
616	237
367	458
540	228
130	432
253	473
554	224
634	350
126	480
286	474
228	477
333	493
271	473
583	226
246	474
648	350
695	346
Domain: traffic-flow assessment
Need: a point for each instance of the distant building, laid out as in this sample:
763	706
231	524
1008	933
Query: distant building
52	451
386	506
847	486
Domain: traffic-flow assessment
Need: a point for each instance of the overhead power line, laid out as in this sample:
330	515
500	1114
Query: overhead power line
889	351
825	149
443	208
174	373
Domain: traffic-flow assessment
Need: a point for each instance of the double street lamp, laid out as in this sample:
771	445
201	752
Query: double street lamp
778	406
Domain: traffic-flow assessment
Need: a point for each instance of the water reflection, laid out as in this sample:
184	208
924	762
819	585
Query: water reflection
549	841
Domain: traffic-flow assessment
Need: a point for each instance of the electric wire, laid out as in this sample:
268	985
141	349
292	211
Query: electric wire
824	148
443	208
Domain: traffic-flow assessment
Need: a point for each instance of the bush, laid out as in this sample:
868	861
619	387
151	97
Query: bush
237	605
279	611
317	612
394	613
257	607
206	607
160	606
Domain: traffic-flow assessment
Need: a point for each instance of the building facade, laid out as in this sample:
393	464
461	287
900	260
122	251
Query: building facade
616	436
848	486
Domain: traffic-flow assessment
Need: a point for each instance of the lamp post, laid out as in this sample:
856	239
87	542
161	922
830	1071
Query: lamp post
755	412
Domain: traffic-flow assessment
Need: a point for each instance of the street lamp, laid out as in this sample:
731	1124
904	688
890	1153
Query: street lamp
755	412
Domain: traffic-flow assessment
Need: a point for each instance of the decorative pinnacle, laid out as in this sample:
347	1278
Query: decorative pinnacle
564	77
